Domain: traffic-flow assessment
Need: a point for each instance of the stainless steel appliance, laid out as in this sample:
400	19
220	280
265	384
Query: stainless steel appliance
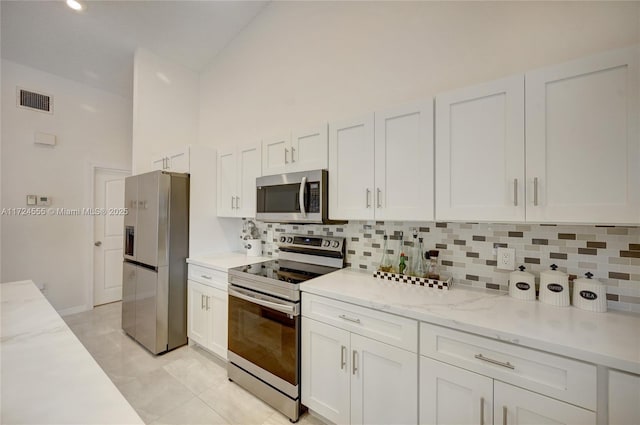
293	197
156	245
264	318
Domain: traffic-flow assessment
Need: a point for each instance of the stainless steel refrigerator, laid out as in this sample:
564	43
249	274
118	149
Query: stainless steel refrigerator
156	245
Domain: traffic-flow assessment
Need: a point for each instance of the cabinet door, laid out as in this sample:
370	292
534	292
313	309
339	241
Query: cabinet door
624	398
309	149
216	305
515	406
480	152
249	168
197	313
325	370
351	165
582	140
276	155
227	177
178	160
404	163
451	395
384	383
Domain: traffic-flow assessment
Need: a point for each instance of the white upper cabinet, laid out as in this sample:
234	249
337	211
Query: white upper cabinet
276	155
480	152
351	169
582	157
302	150
238	168
381	166
176	160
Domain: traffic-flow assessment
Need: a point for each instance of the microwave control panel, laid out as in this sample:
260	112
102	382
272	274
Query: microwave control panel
314	197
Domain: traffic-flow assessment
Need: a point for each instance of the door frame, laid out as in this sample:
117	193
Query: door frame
92	168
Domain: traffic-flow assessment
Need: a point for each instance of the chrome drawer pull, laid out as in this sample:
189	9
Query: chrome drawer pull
496	362
354	361
343	355
205	276
342	316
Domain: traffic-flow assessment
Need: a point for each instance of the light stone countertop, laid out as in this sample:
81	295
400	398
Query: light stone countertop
611	339
47	375
225	261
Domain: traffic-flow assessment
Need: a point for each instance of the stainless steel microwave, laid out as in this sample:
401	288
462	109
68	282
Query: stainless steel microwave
293	197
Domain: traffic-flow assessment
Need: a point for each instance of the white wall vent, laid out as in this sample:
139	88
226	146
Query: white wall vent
35	101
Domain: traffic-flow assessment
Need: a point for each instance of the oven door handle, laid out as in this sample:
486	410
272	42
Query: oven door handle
303	188
272	303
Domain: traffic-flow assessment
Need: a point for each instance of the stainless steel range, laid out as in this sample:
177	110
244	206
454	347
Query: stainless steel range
264	318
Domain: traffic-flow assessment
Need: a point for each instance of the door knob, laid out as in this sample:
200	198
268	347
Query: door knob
98	243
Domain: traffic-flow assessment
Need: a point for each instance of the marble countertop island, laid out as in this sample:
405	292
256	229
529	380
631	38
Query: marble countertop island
47	375
611	339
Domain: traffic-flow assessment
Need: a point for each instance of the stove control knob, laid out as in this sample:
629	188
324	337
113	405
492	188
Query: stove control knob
282	239
326	243
289	239
335	244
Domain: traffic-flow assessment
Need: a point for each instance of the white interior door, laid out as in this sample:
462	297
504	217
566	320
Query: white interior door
107	259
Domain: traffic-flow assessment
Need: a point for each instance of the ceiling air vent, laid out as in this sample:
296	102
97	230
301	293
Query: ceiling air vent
35	101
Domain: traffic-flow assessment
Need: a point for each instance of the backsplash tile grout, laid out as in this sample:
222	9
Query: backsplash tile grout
611	253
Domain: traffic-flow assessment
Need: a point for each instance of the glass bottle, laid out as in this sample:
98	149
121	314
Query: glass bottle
418	267
434	273
386	265
400	260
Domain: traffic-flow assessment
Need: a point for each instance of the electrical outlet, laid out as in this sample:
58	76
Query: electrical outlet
506	258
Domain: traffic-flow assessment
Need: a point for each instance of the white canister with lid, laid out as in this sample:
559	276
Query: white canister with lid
253	247
522	285
554	287
590	294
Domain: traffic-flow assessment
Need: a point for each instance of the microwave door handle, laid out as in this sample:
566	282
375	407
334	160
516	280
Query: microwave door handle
303	188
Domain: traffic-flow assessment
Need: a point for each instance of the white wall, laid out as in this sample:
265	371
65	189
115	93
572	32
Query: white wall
165	108
302	63
92	127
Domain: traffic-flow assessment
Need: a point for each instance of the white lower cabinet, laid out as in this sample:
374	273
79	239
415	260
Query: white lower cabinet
352	379
207	309
624	398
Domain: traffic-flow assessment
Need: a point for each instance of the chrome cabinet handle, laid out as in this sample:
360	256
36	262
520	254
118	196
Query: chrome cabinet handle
481	410
354	360
286	151
504	415
208	303
368	197
378	198
343	317
535	191
495	362
201	302
292	157
205	276
237	202
515	192
168	163
343	355
232	207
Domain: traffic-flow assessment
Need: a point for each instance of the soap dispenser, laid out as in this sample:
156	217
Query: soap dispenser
522	285
554	287
590	294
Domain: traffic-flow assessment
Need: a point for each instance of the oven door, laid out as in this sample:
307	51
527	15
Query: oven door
292	198
264	338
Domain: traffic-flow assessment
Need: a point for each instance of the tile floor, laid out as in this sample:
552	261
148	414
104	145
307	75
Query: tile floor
185	386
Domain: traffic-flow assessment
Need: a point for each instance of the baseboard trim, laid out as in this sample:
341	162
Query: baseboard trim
73	310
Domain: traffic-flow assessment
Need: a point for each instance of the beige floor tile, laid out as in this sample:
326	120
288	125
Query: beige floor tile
193	412
197	374
236	405
305	419
155	394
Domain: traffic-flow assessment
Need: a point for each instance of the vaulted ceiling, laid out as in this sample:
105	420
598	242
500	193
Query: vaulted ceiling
96	45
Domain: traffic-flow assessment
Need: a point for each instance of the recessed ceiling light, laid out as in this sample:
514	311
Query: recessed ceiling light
74	4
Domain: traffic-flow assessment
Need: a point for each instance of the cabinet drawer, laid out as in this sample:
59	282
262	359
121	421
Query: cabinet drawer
210	277
559	377
383	327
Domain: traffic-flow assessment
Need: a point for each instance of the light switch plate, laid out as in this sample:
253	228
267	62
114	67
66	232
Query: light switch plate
506	258
32	199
